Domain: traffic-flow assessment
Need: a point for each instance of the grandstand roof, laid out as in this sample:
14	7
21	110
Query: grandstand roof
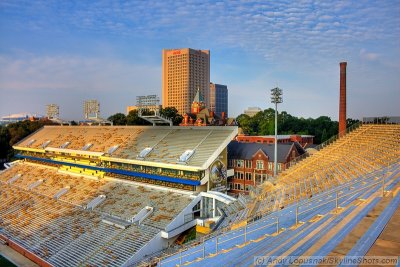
238	150
167	143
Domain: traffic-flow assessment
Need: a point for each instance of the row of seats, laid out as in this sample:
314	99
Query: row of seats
320	231
351	156
63	232
168	143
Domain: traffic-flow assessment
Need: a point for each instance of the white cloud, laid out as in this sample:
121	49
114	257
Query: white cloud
369	56
73	73
295	36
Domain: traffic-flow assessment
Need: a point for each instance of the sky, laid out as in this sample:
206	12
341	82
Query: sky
65	52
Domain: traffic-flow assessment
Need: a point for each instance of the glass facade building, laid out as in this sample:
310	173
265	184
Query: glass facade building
219	99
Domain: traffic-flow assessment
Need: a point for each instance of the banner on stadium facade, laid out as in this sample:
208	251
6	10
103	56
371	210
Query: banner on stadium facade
218	177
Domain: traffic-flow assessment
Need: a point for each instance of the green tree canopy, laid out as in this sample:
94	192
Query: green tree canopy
134	119
172	114
118	119
263	123
15	132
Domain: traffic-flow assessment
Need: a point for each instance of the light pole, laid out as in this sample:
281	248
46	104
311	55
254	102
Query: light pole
276	97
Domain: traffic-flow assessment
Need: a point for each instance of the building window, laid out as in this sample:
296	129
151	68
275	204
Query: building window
248	164
240	163
238	186
239	175
249	176
258	178
259	165
279	167
270	166
230	163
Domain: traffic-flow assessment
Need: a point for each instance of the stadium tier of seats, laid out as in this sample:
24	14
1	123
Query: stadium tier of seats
325	195
63	232
167	143
364	150
319	228
65	206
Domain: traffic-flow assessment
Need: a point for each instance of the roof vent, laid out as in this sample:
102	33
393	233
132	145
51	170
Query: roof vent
45	144
30	142
112	149
65	145
87	146
144	152
185	156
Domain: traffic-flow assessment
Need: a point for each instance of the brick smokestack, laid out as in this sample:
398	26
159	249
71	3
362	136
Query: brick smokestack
342	101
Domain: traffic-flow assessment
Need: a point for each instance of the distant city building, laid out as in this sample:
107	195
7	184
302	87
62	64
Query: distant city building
130	108
147	100
91	109
52	111
150	102
219	99
303	140
200	115
21	117
252	111
184	71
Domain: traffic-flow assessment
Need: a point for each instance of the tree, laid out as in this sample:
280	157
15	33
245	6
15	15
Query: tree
134	119
4	142
172	114
15	132
244	122
263	123
350	122
118	119
324	136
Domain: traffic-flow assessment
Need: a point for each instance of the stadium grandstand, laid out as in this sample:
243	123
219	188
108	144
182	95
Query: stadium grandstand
111	195
342	199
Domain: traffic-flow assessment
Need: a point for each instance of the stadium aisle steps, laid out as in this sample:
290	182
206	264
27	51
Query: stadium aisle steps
335	231
71	255
369	237
286	237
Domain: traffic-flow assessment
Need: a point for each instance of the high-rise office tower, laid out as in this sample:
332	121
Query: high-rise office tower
219	99
184	71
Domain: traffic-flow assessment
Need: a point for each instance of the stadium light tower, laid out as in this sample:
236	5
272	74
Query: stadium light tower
276	98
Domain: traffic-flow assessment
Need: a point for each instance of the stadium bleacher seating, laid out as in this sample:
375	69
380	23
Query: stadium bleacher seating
63	232
319	222
357	153
167	143
44	208
350	172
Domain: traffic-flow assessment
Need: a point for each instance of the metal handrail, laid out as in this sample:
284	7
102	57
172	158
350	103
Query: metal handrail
324	144
347	196
259	216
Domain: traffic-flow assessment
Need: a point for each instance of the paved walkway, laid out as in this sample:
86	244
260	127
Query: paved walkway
388	242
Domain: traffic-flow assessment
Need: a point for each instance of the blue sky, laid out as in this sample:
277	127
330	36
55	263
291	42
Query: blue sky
67	51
